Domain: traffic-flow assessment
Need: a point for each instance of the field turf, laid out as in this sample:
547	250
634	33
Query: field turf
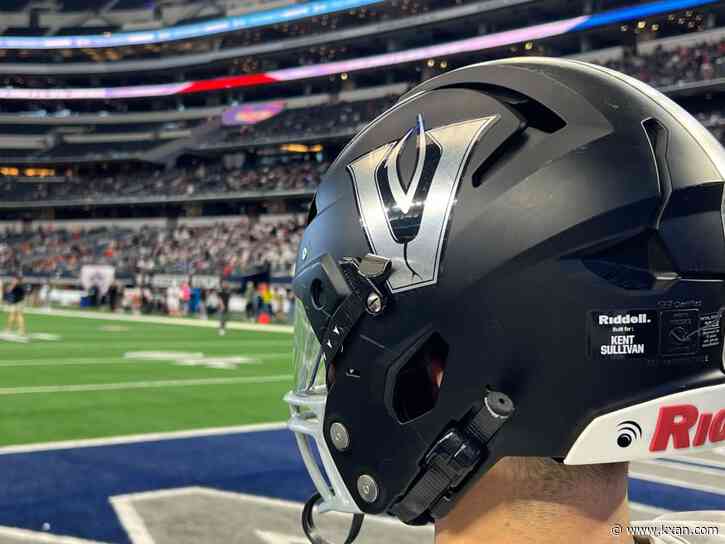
78	382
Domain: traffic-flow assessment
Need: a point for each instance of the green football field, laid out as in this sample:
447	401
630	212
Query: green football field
86	378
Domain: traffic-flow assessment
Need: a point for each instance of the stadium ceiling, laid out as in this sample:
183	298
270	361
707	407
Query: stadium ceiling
212	27
478	43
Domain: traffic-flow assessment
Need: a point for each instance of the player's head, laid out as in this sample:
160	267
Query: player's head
523	258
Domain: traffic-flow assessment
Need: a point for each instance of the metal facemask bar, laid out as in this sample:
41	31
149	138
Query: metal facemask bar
332	297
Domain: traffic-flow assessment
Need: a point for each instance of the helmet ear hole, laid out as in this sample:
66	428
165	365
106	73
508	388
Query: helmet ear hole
419	380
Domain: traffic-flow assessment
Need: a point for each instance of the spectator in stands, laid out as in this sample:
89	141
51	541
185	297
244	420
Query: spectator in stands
231	248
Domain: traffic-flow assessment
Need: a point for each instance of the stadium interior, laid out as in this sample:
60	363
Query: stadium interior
153	150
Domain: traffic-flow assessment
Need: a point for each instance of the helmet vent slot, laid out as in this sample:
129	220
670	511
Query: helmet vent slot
501	156
536	114
658	141
312	213
633	264
419	380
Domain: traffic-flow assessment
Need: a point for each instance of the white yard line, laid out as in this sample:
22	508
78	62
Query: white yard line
131	521
75	388
83	361
243	497
645	511
36	537
160	320
141	438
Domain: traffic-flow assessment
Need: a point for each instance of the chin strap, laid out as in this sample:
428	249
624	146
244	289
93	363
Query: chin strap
308	523
452	459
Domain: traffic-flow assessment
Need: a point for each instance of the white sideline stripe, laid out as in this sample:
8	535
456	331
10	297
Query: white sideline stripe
701	459
131	521
141	438
676	483
264	501
41	538
701	469
83	361
160	320
6	391
650	512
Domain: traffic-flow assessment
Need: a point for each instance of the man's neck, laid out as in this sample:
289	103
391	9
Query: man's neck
517	504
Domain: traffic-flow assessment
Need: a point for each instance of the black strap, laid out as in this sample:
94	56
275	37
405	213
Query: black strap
454	457
308	523
424	492
347	314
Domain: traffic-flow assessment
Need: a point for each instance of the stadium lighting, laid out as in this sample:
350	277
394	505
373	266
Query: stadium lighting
332	69
185	32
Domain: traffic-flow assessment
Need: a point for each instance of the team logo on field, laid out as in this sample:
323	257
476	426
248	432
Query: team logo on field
405	216
183	358
684	426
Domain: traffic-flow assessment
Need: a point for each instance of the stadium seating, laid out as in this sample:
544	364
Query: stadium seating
148	181
664	68
228	248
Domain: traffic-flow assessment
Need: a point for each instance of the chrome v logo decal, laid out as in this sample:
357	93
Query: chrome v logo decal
408	222
404	195
404	205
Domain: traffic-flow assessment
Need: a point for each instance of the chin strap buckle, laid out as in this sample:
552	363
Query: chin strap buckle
452	459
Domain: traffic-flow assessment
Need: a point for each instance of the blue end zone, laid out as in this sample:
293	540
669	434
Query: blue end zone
70	489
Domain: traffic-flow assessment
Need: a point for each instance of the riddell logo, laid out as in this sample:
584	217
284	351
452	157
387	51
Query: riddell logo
623	319
678	423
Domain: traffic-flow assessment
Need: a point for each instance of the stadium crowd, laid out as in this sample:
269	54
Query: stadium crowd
664	68
223	248
149	181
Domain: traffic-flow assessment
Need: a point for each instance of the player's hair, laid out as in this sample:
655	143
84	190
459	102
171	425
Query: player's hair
553	474
554	479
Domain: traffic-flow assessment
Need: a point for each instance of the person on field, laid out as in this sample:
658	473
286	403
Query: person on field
173	300
225	295
16	304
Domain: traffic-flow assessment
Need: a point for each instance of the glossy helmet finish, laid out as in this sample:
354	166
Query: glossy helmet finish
551	232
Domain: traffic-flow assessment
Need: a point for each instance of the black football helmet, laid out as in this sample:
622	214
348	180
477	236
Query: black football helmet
520	258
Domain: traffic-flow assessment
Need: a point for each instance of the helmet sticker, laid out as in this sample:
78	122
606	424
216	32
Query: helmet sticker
675	424
623	334
406	220
677	335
